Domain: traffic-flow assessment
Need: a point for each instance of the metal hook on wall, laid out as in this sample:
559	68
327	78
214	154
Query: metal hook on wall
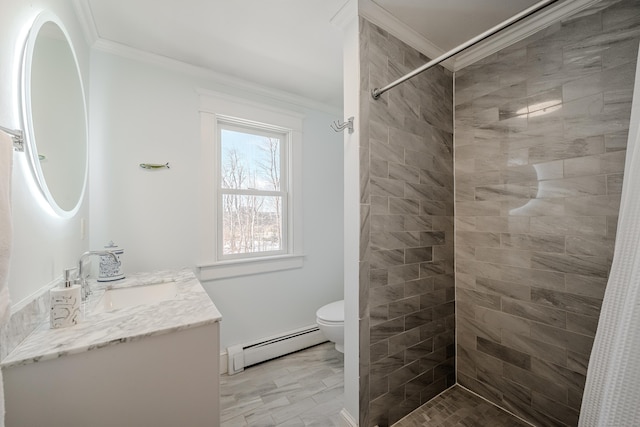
339	127
17	136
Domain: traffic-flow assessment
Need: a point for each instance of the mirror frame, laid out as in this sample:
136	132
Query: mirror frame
31	148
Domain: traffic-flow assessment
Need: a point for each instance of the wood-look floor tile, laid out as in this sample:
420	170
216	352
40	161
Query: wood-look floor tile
301	389
311	394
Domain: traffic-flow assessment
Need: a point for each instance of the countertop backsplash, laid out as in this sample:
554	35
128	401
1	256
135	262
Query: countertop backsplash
24	320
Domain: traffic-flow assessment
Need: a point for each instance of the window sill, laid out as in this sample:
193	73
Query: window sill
246	267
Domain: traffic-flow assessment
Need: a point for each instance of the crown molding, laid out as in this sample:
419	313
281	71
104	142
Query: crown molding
85	16
345	15
349	10
87	23
505	38
223	80
383	19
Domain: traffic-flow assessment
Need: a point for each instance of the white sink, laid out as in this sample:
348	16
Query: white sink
117	298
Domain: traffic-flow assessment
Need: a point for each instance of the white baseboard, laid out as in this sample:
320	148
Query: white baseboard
224	362
244	355
268	348
346	420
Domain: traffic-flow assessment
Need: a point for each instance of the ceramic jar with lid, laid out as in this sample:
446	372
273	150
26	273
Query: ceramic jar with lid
111	270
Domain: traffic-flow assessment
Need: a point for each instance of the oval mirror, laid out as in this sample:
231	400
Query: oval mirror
54	115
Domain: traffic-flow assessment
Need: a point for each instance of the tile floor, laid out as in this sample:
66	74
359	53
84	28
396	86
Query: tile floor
306	389
300	389
459	407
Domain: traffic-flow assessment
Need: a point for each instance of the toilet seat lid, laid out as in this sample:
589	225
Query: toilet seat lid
332	312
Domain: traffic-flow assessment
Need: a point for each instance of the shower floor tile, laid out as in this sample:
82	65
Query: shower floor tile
300	389
459	407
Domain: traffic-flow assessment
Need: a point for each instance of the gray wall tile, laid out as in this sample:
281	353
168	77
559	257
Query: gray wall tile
408	177
549	186
536	198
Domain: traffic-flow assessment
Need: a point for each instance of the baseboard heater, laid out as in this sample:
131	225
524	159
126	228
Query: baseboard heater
244	355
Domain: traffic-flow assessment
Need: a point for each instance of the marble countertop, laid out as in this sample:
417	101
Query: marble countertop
190	308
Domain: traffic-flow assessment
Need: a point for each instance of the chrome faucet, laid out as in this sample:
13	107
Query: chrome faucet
82	279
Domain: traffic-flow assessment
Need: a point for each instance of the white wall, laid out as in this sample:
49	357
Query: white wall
351	77
142	112
42	244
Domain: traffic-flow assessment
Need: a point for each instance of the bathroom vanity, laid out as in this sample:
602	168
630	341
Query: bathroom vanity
145	354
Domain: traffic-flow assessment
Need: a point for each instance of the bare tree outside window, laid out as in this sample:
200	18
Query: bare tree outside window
252	198
272	170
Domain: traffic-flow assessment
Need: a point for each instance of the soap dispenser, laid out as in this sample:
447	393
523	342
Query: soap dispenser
65	302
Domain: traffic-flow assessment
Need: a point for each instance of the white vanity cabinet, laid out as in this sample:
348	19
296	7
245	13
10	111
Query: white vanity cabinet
165	380
154	365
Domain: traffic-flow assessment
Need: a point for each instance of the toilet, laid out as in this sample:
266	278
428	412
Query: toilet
330	320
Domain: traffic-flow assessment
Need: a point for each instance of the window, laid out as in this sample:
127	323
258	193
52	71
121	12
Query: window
251	187
252	190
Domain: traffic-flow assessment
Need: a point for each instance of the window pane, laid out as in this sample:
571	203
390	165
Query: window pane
249	160
251	224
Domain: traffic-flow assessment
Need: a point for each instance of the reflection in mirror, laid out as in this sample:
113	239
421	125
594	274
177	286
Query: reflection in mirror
55	115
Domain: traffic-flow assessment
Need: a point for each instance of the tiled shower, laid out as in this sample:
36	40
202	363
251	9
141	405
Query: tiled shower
407	335
508	305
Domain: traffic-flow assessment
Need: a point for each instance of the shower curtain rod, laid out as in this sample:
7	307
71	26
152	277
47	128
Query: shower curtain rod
376	93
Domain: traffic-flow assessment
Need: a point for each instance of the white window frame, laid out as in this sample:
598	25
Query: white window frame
216	108
284	135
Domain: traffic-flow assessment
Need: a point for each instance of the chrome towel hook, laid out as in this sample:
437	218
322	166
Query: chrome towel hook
17	136
339	127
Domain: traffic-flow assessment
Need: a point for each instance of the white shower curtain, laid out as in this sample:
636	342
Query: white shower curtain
612	393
